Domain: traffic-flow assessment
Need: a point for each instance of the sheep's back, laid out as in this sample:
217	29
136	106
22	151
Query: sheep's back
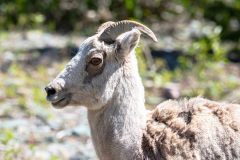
193	129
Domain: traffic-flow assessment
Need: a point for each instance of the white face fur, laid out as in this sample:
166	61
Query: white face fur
91	77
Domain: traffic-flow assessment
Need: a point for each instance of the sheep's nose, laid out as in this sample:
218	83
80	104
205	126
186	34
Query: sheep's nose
50	91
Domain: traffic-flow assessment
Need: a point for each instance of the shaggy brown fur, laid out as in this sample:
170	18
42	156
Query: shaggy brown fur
193	129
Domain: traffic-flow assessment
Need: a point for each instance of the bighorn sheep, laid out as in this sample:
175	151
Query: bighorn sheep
104	77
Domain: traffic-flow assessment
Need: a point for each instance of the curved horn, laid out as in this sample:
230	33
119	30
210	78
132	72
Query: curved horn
104	26
112	30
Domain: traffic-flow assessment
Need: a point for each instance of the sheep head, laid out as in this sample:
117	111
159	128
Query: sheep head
91	77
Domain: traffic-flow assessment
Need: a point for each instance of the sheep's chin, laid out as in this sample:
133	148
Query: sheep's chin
61	104
58	106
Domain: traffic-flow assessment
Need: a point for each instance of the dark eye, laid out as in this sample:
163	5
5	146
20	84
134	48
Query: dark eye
96	61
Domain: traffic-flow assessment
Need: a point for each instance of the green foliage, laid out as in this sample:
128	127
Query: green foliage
54	157
64	15
224	13
142	66
204	51
21	86
53	14
6	136
202	70
22	94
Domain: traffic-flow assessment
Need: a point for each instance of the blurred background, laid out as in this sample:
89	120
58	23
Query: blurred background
198	53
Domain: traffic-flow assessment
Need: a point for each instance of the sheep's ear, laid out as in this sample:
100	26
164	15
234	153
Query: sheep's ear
127	41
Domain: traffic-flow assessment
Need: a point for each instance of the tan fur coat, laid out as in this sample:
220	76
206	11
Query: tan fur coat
192	130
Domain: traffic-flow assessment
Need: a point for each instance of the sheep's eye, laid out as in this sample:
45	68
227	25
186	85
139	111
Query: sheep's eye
96	61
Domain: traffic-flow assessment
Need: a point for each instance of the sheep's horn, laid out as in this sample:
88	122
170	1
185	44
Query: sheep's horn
109	31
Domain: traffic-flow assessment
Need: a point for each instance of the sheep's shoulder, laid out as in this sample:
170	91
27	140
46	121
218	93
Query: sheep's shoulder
187	129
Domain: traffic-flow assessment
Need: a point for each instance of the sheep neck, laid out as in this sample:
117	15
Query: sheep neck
117	129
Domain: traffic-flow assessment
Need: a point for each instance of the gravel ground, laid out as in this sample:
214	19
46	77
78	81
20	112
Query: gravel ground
30	128
65	135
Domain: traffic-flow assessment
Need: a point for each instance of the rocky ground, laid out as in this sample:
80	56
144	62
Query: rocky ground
29	127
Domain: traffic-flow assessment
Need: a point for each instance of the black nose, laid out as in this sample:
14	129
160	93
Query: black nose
50	91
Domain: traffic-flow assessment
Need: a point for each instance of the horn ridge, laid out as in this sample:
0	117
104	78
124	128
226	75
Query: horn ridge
104	26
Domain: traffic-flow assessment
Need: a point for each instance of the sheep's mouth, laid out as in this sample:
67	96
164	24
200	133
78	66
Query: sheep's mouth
62	102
